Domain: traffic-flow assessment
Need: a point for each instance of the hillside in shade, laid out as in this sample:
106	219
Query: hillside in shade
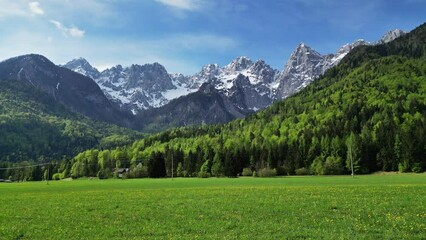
35	127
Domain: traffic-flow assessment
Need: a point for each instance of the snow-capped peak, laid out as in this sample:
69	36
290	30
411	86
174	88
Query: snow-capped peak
83	67
262	72
239	64
210	69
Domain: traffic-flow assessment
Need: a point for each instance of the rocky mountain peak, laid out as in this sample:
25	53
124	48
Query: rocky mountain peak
210	69
391	35
345	49
302	54
303	66
306	64
360	42
78	62
259	66
31	59
264	72
148	77
303	57
179	79
239	64
34	69
83	67
303	48
349	46
117	67
152	67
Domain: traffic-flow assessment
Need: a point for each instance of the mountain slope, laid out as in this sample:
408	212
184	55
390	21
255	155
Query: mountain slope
77	92
370	108
35	127
206	106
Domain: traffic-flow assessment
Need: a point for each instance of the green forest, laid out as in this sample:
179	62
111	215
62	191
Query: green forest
371	108
35	128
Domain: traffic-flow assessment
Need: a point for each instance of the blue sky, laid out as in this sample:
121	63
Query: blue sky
184	35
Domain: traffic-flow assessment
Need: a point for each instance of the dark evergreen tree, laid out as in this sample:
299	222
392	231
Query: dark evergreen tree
156	165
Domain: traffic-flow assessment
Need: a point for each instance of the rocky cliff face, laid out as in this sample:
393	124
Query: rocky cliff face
306	64
391	35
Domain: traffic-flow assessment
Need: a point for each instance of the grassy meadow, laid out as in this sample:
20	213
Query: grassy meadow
338	207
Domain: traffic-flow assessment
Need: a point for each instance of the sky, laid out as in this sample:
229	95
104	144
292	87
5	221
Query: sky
184	35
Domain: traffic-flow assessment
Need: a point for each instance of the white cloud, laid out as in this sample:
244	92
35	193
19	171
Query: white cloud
189	5
12	9
68	31
35	8
75	32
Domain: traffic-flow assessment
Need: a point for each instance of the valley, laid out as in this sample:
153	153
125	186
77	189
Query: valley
365	110
226	119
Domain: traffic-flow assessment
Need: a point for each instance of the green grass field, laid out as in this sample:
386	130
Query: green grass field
366	207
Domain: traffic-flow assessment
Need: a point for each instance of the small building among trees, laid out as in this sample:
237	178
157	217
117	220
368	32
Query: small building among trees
121	171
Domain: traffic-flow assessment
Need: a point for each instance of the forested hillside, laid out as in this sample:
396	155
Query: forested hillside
371	107
35	128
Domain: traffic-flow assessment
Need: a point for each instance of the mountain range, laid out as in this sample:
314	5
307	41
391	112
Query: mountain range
243	86
40	98
148	98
